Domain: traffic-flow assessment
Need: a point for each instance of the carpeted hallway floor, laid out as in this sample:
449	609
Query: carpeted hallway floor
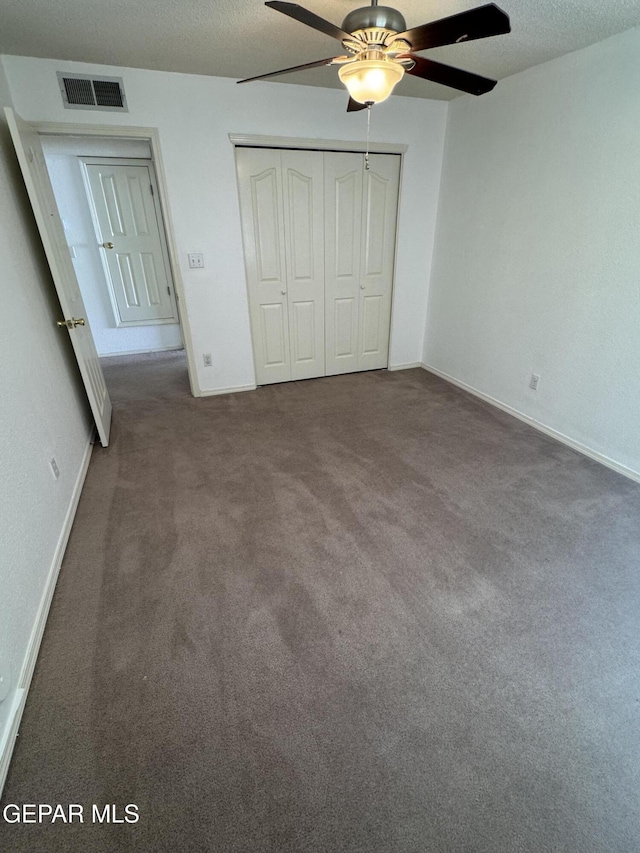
362	613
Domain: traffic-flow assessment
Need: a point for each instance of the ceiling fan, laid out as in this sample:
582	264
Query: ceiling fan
380	49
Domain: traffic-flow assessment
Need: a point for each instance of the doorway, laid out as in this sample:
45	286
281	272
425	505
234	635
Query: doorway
27	140
106	190
107	196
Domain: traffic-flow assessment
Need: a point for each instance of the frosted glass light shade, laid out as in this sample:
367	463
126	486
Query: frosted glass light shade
370	80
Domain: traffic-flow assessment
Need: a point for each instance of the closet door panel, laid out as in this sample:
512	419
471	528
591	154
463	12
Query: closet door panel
302	179
379	215
261	208
343	233
372	324
273	329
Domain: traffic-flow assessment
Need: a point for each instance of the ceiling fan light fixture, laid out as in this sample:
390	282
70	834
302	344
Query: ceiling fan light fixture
370	81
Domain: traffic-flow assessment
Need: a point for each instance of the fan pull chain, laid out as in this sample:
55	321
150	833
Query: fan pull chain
366	153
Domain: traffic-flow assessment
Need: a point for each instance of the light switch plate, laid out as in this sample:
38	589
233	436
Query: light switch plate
196	260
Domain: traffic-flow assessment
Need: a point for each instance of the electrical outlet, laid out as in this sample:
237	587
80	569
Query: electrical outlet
208	362
196	260
54	469
533	384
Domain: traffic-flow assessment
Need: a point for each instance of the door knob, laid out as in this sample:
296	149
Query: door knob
71	324
283	292
108	245
362	287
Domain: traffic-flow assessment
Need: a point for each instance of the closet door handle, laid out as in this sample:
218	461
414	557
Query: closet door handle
283	292
362	287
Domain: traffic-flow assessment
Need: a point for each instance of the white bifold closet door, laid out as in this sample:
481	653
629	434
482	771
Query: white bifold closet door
360	225
319	237
281	200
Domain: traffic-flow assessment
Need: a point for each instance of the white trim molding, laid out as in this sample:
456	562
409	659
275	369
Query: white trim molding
547	430
139	351
13	723
259	141
215	392
408	366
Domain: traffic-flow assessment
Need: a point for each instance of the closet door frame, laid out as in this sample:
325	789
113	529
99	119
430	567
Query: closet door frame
241	140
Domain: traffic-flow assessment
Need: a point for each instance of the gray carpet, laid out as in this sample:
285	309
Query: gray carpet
361	613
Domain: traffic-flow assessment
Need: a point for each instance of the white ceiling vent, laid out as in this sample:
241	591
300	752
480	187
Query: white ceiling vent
80	92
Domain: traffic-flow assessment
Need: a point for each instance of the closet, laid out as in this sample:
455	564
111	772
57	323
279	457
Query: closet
319	236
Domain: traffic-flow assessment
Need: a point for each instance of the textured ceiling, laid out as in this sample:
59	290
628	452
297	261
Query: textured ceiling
241	38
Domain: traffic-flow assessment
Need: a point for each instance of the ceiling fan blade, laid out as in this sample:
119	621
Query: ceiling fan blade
354	106
477	23
448	76
289	70
308	18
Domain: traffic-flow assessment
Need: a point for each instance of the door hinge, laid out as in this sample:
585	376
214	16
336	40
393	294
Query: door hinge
168	290
151	188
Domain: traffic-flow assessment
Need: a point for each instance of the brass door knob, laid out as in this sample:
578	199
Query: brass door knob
108	245
71	324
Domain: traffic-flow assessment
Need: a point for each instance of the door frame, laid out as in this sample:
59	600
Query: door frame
249	140
152	136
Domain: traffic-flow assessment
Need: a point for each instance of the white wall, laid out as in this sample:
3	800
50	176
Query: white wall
43	414
62	155
194	116
537	262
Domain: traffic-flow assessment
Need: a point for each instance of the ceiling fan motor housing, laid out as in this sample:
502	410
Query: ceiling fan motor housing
374	18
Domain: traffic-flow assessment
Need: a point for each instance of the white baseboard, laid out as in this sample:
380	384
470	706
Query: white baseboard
405	366
216	391
13	723
138	351
547	430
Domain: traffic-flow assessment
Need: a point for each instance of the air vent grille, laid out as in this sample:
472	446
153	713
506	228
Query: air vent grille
79	91
92	93
108	93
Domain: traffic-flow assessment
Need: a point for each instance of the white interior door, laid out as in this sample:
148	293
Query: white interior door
36	178
379	214
343	258
129	229
361	208
304	251
260	184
